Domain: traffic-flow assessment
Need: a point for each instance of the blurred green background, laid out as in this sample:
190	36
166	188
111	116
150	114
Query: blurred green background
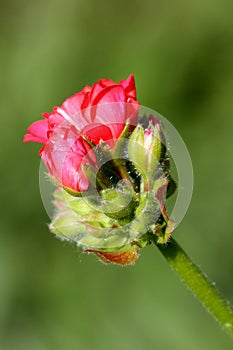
181	53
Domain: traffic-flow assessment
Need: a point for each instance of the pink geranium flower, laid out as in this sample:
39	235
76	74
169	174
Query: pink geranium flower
97	113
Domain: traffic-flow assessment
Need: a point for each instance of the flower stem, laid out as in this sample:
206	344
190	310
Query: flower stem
198	283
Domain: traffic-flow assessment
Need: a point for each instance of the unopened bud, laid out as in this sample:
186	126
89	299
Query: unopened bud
146	150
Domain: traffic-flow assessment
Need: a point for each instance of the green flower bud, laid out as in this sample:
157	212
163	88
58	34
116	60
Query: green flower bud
146	151
120	202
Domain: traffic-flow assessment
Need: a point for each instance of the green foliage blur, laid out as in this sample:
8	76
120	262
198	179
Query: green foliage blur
52	296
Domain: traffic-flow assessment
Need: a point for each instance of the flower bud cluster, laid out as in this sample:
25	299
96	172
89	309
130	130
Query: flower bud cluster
125	203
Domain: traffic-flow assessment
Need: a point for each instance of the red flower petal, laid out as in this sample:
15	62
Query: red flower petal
64	155
115	115
129	86
73	104
110	94
37	132
97	132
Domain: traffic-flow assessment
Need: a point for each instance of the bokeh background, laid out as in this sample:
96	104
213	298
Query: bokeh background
181	52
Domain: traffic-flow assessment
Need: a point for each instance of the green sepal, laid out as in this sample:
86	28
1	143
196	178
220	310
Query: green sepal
72	192
119	148
164	231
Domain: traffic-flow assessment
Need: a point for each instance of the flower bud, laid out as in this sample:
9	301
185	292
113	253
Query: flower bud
146	150
120	202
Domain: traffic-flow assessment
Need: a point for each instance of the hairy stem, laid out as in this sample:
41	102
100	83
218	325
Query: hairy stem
198	283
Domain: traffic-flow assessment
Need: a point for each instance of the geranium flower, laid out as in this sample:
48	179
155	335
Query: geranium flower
96	142
97	113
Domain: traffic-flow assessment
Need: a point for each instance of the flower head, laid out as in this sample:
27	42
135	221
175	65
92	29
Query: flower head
110	170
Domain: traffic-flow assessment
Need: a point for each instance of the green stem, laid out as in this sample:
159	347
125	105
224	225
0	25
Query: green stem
197	282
